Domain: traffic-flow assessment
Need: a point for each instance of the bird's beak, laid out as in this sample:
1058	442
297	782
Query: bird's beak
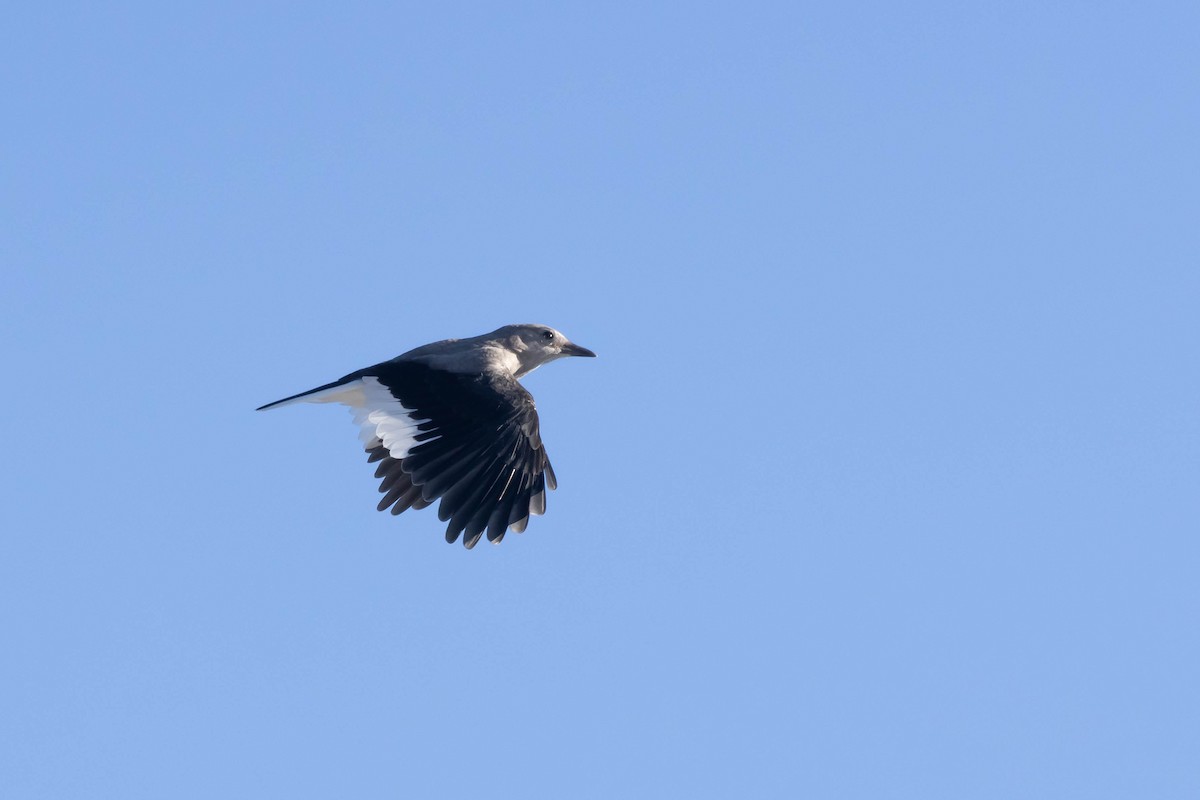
572	349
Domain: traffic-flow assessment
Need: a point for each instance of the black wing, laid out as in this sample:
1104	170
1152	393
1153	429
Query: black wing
471	440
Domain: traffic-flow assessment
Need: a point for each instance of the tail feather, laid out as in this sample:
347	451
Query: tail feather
343	391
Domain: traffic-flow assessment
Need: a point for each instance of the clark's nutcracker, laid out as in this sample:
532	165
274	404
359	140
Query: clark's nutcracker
449	420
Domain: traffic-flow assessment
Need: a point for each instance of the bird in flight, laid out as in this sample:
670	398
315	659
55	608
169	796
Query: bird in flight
449	420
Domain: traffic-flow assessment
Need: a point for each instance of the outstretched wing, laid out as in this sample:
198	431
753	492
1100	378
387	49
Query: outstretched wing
471	440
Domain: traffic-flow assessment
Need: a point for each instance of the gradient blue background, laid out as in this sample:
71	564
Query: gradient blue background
884	484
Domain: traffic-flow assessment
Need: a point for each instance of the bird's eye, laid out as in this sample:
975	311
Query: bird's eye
548	336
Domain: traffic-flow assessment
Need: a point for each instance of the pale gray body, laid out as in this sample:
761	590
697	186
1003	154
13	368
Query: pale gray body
514	350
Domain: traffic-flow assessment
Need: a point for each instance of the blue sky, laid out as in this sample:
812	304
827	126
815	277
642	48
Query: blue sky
884	483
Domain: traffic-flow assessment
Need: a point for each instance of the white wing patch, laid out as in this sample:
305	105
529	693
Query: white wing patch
379	416
382	417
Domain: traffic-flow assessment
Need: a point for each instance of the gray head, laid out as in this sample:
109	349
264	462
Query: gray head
535	345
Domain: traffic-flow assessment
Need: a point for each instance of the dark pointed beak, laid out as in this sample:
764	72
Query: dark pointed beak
572	349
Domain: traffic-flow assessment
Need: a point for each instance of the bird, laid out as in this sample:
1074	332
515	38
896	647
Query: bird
449	420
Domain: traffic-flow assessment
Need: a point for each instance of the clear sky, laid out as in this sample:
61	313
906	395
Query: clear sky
884	483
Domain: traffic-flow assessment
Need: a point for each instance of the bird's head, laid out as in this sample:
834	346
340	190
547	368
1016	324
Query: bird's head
535	345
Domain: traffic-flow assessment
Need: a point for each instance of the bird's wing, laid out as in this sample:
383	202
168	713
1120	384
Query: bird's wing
471	440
